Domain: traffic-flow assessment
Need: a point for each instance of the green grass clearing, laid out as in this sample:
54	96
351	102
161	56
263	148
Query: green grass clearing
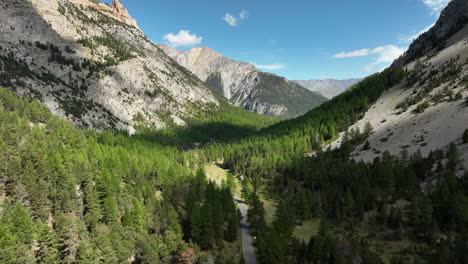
308	229
220	175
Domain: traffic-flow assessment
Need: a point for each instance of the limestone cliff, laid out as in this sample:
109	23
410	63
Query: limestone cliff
90	65
121	13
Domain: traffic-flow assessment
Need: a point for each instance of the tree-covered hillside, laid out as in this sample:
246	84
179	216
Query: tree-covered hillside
404	209
76	196
273	149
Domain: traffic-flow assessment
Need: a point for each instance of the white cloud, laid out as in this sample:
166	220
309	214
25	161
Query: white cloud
243	14
436	5
270	67
183	39
356	53
385	55
230	19
415	36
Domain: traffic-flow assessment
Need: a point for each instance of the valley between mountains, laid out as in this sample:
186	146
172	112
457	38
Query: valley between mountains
115	149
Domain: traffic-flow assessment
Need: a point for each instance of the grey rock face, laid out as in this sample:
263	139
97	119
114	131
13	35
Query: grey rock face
92	69
246	86
452	19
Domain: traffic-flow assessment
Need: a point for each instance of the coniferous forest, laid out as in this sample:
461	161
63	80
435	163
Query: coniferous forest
395	198
116	150
79	196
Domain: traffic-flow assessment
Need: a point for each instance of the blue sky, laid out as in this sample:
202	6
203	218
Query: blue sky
297	39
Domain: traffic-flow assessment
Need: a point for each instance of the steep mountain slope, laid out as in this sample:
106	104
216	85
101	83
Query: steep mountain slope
429	109
328	88
91	65
411	187
452	19
246	86
78	196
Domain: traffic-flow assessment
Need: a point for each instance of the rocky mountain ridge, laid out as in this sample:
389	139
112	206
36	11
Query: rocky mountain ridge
122	13
428	110
92	66
328	87
451	20
246	86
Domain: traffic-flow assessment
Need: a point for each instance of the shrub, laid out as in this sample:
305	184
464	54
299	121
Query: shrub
421	107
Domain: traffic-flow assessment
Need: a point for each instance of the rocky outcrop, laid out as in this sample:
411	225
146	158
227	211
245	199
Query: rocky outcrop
246	86
116	10
121	13
452	19
91	69
328	88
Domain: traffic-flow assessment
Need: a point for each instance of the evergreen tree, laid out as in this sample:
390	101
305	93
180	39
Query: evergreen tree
453	156
48	247
465	136
232	228
368	130
256	213
282	223
349	202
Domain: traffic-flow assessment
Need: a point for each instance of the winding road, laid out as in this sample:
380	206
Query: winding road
248	250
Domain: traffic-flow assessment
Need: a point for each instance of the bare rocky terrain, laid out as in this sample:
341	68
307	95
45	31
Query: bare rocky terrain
246	86
91	65
427	111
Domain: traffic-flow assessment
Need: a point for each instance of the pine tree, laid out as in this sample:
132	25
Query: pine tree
232	228
256	213
348	202
453	156
109	209
247	189
21	223
48	247
196	224
368	130
217	215
208	226
460	207
282	223
301	206
86	255
366	146
465	136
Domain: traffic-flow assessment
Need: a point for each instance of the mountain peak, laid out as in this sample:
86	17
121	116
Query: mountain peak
452	19
244	85
121	13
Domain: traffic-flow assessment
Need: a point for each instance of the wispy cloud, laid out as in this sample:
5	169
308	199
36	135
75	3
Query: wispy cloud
385	55
243	14
270	67
436	5
230	20
183	39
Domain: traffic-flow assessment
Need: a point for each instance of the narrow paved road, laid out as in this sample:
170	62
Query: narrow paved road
248	250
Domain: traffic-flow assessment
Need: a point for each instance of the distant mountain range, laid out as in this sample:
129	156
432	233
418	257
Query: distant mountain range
329	87
246	86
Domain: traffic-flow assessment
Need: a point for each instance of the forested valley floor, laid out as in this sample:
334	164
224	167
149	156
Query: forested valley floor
80	196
